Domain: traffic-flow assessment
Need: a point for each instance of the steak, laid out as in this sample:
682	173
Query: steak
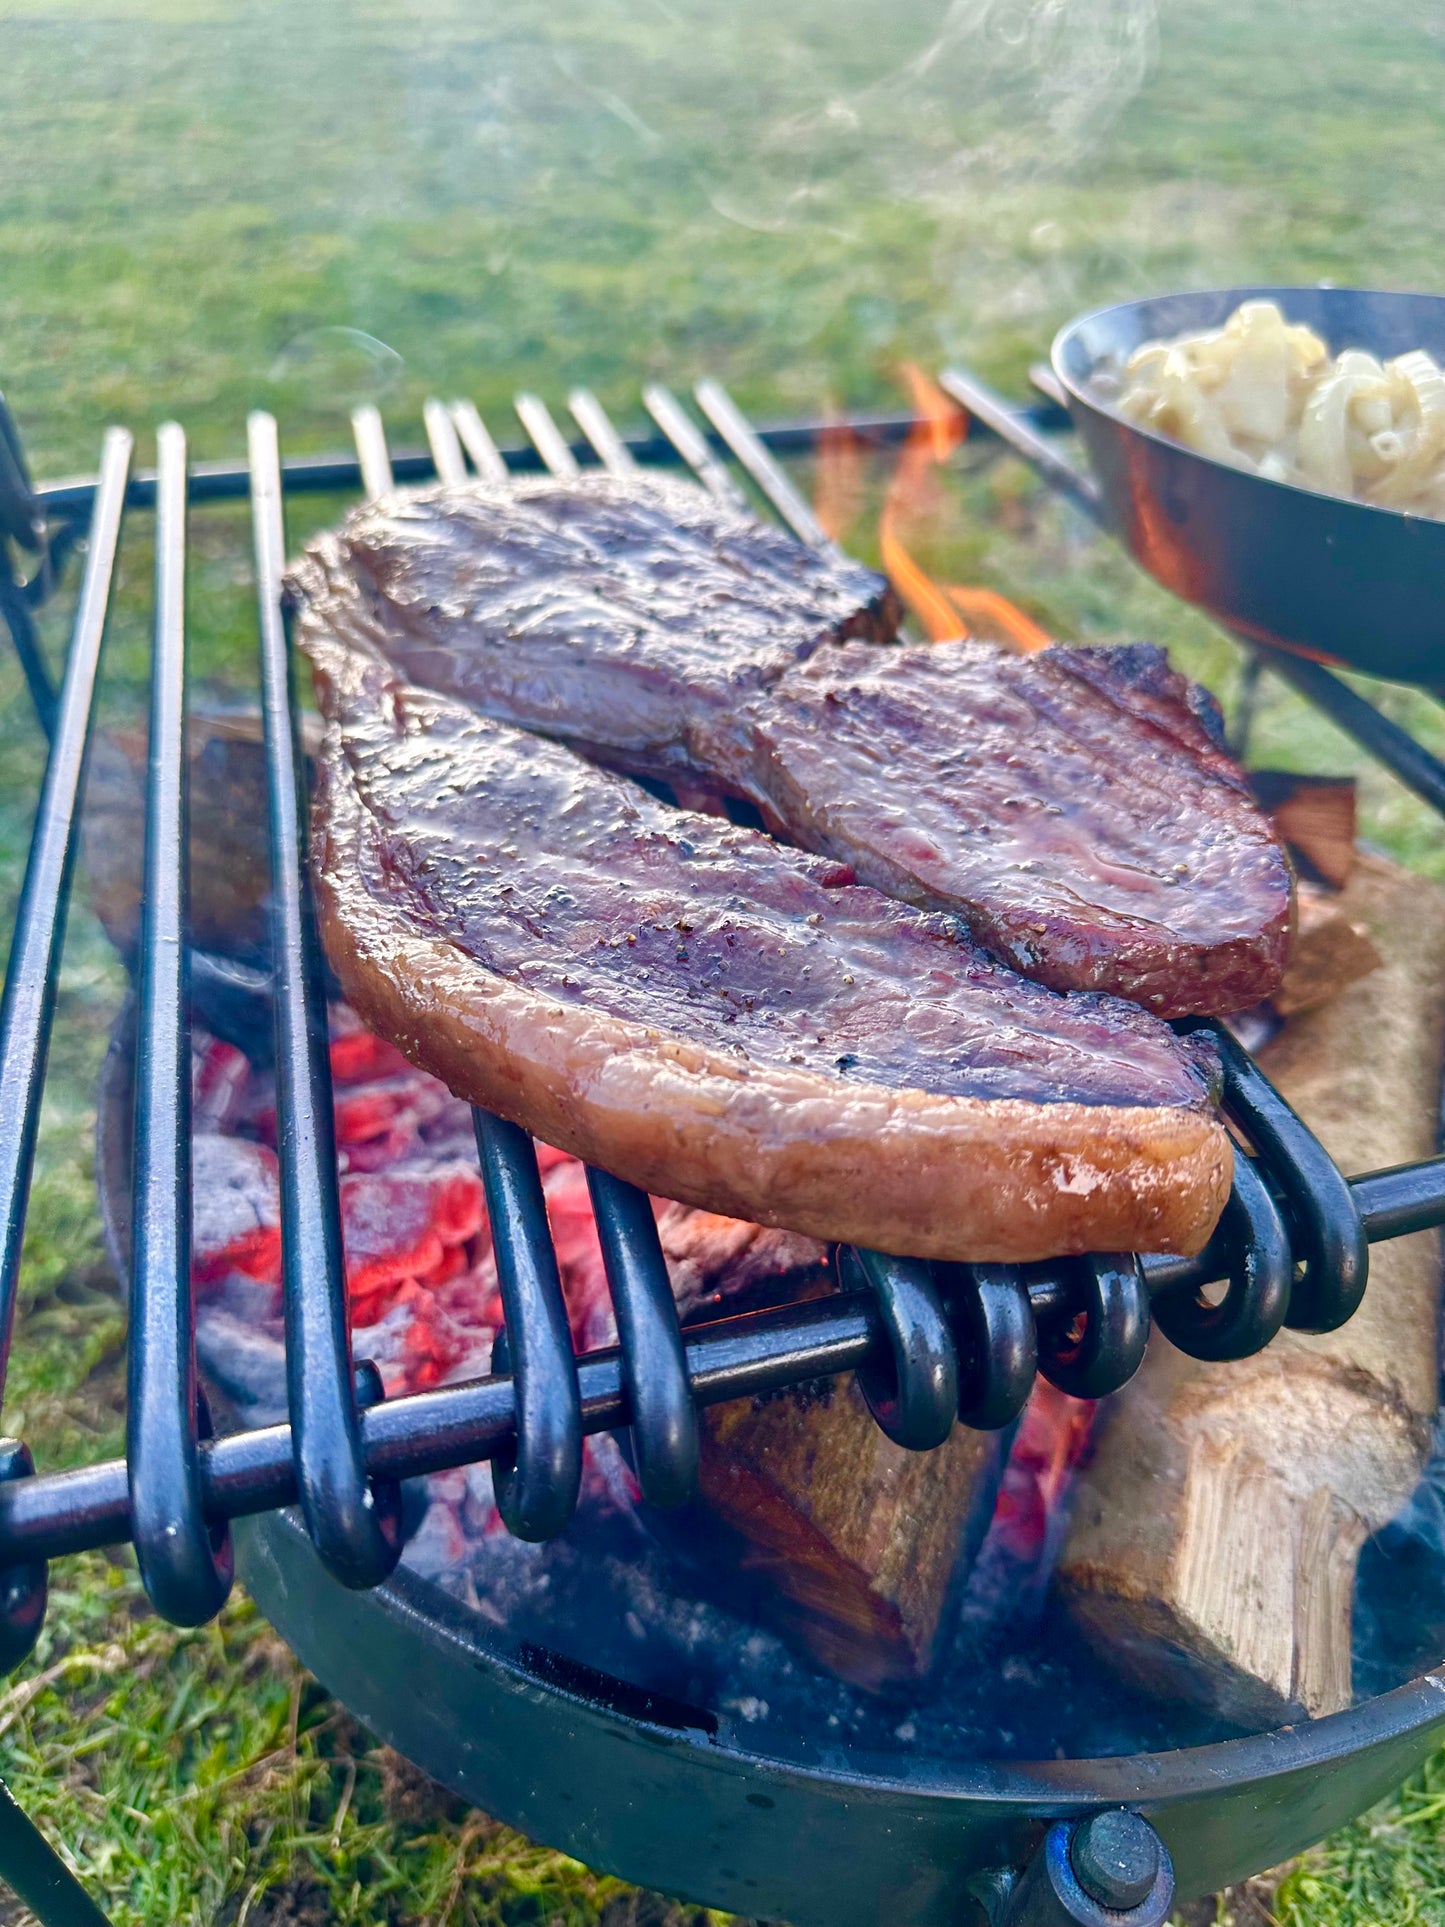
729	1022
615	614
1075	807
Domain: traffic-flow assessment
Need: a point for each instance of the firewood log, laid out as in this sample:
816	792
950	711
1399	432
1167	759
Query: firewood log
844	1540
1331	950
1316	817
856	1540
1214	1538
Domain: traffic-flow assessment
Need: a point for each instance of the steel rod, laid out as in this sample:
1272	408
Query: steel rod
592	418
222	481
1015	427
446	447
16	614
1391	745
371	450
39	936
356	1534
556	452
32	1867
741	1357
691	443
753	453
186	1574
476	438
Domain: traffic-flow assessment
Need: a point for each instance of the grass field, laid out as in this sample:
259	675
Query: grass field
206	207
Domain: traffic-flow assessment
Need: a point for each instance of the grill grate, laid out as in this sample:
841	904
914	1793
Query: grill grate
1292	1245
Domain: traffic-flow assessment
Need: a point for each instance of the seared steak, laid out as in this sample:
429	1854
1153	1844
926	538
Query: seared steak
615	614
1076	808
726	1021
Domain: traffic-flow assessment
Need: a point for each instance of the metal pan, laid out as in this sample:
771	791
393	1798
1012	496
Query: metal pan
1337	580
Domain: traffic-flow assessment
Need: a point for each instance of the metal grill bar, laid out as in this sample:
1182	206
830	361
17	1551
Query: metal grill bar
592	419
1011	425
654	1362
34	967
536	1481
446	448
627	1386
186	1574
738	432
371	451
477	440
547	438
335	474
357	1532
743	1357
690	442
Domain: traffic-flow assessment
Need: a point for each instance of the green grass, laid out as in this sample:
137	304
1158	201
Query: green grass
205	208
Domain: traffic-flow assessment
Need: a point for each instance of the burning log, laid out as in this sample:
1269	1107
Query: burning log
848	1542
857	1542
1215	1536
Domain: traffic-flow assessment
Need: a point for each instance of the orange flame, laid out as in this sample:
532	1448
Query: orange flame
945	610
838	487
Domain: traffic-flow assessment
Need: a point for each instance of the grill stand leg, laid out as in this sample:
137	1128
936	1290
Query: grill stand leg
30	1865
15	613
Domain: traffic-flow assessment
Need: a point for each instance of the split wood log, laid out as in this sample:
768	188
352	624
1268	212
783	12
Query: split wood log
1316	817
857	1540
1331	950
848	1543
1214	1538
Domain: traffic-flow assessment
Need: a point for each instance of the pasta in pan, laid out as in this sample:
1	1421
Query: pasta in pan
1265	394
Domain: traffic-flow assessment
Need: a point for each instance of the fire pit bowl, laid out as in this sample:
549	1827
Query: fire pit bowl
679	1797
789	1822
1333	579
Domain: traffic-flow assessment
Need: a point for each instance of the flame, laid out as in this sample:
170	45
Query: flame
838	488
945	610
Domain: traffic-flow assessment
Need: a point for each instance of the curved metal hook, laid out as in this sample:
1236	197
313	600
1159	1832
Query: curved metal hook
998	1341
1109	1291
1252	1242
914	1397
654	1364
1328	1234
535	1484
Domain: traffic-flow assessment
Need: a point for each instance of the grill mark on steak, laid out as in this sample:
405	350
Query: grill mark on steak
730	1022
612	613
1075	807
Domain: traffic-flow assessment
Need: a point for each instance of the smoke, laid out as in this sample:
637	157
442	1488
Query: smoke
794	118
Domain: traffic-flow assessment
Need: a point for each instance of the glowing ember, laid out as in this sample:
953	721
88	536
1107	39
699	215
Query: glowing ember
421	1272
944	610
1052	1440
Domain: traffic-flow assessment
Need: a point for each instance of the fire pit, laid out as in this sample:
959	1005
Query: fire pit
719	1768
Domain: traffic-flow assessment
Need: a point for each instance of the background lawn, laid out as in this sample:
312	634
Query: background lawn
207	207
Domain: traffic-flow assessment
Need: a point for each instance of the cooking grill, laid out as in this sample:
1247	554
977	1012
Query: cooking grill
1292	1247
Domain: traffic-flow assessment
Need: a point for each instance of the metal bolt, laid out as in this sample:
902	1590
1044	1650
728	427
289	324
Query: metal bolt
1115	1857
